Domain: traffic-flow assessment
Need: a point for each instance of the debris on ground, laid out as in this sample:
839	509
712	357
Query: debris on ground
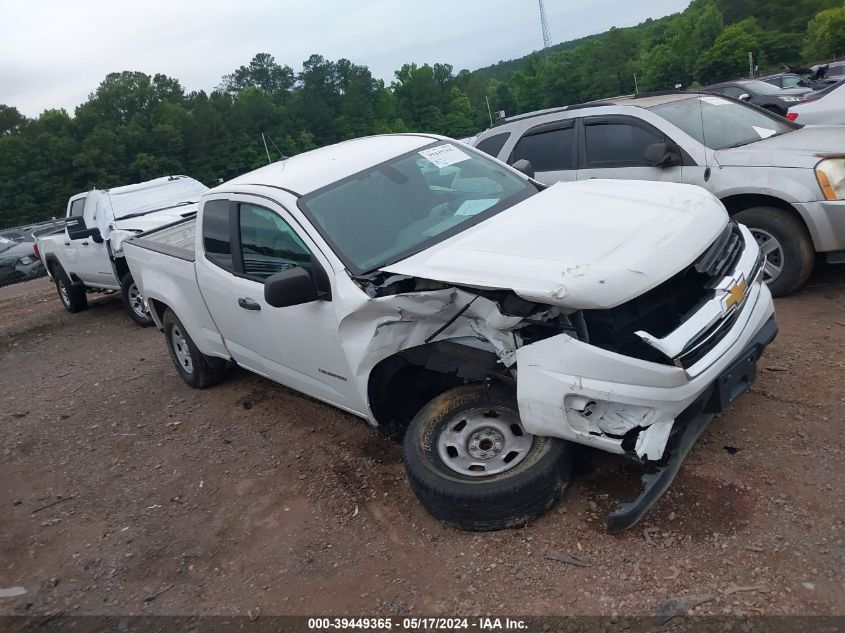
680	606
564	558
12	592
149	598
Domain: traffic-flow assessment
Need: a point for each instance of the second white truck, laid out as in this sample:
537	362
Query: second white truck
86	256
437	292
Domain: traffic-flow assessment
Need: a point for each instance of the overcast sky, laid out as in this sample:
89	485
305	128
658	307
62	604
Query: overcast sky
53	53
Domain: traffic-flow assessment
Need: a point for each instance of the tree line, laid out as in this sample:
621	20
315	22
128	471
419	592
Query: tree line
134	126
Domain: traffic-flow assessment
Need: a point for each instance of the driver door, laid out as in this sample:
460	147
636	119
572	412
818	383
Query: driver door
614	147
297	346
86	257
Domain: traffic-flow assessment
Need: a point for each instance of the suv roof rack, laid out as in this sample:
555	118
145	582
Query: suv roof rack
659	93
566	108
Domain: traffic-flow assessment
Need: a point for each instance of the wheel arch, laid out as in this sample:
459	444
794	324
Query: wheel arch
737	202
157	309
401	384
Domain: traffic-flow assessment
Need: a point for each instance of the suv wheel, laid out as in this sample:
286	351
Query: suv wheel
785	243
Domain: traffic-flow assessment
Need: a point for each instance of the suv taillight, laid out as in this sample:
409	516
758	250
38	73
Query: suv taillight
36	251
791	115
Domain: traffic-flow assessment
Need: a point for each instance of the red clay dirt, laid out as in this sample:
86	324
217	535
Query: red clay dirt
249	496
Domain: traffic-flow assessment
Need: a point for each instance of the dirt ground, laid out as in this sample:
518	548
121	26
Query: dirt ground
247	496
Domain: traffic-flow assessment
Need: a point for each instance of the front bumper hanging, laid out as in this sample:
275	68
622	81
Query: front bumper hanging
735	381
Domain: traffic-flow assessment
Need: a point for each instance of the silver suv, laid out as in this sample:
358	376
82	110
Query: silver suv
784	181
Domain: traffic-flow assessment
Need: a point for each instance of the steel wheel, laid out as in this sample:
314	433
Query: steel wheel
180	348
484	441
63	293
773	251
137	302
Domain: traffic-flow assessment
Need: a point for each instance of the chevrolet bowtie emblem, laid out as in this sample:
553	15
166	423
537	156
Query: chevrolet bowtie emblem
736	293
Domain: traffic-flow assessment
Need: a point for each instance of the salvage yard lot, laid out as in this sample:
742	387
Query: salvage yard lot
247	496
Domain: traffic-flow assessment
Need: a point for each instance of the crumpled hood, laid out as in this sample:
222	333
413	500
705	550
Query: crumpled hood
589	244
801	148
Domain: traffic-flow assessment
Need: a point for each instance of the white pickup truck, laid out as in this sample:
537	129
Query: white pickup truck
87	254
432	290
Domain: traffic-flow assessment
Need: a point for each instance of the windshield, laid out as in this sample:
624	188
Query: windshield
792	81
755	86
720	123
397	208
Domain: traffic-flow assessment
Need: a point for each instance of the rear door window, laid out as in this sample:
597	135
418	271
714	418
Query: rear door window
548	149
615	143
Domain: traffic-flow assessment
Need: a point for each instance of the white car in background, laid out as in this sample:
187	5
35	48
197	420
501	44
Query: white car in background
86	255
825	107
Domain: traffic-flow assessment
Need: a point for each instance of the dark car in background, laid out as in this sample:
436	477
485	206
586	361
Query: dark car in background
788	81
759	93
18	262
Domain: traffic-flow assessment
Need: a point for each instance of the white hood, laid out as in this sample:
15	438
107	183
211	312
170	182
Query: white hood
581	245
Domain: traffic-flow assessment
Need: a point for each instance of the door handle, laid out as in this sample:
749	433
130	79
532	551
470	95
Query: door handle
85	243
67	243
248	304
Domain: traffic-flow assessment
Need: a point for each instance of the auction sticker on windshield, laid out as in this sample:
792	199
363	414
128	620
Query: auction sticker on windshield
444	155
764	132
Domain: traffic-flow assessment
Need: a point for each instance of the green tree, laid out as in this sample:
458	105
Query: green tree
826	34
262	72
728	57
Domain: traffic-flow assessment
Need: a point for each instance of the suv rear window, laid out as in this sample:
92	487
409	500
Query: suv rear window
551	150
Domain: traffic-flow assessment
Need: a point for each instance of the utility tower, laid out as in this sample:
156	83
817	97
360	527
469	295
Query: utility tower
547	36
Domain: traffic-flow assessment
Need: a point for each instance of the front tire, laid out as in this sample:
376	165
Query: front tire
134	302
195	368
785	242
73	296
472	465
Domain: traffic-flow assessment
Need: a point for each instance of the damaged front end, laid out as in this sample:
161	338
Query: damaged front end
641	379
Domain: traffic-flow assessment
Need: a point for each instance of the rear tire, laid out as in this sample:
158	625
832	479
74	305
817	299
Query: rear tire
786	243
73	296
463	433
133	301
196	369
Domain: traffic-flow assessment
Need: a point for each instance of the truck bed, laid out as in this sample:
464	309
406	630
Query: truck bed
176	239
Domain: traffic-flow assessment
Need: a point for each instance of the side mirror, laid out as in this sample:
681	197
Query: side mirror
76	230
662	155
291	287
525	167
744	96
